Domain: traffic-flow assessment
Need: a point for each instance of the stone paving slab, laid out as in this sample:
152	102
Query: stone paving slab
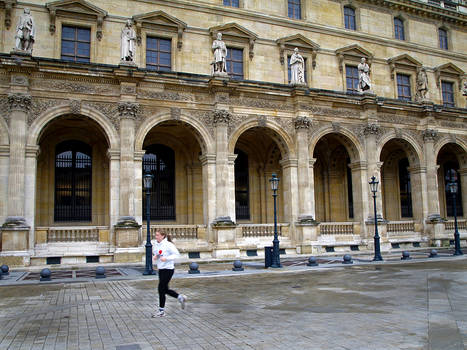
391	305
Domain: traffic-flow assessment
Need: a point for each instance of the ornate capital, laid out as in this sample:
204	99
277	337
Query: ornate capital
430	135
128	110
19	102
221	117
371	129
302	123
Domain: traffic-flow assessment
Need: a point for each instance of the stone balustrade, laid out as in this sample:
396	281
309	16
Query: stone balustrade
461	225
176	231
72	234
261	230
395	227
336	228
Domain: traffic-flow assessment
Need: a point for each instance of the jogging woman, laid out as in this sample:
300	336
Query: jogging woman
165	252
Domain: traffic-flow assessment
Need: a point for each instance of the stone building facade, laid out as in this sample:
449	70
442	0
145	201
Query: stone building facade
79	126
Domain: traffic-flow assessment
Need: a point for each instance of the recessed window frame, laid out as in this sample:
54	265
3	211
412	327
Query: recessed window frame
399	28
404	81
229	3
353	78
356	9
158	38
76	40
295	14
444	39
350	17
445	94
230	61
77	24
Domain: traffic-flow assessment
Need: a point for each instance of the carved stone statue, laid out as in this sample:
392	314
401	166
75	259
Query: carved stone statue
422	85
297	68
220	53
464	90
364	82
128	42
25	32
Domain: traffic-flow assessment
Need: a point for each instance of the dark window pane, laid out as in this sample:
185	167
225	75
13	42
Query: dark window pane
399	29
84	34
403	87
443	39
294	10
448	93
76	44
158	54
242	201
349	18
164	45
68	32
68	47
234	63
405	190
351	77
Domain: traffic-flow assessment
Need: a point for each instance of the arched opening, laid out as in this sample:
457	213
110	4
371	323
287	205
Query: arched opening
448	159
172	154
72	173
258	157
334	197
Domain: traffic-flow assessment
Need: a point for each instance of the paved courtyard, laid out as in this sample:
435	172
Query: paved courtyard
406	305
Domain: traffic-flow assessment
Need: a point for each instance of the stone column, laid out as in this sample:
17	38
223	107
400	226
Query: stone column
30	191
4	165
371	132
289	192
311	167
128	113
359	183
417	176
463	183
431	194
114	193
19	105
189	195
208	163
305	199
224	215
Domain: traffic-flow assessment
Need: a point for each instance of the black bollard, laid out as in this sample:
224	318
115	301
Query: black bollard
347	259
46	275
238	266
193	268
312	261
405	255
5	270
100	272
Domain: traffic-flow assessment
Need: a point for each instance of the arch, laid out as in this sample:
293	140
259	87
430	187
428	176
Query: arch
4	136
38	125
277	133
410	145
349	140
205	140
460	144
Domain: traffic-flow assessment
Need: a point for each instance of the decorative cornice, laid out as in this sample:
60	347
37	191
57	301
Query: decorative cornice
128	110
19	102
302	123
221	117
430	135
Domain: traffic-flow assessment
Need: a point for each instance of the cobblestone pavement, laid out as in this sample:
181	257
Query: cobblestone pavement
406	305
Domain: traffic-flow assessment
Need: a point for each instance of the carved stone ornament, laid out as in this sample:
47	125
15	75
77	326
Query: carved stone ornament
19	102
302	123
371	129
221	116
430	135
128	110
75	106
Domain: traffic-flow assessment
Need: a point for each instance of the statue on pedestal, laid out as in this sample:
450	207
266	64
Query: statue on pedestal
422	85
220	53
364	82
128	43
25	32
297	68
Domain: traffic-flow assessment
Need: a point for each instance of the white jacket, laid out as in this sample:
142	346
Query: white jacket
167	250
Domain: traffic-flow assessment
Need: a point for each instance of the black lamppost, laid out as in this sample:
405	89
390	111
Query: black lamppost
451	179
274	180
147	180
374	188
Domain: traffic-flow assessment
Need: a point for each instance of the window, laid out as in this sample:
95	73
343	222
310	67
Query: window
405	189
294	9
349	18
73	173
351	77
158	54
76	44
447	89
289	73
159	160
233	3
443	38
399	29
234	63
242	201
403	87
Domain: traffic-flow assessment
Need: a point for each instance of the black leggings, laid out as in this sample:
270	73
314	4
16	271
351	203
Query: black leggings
164	278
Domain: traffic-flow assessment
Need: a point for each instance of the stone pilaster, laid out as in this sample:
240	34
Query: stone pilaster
30	189
114	192
302	125
418	184
4	165
433	210
463	182
221	119
19	106
360	190
127	112
208	163
289	191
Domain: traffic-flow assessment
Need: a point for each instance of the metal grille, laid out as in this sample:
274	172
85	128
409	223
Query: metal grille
159	160
73	172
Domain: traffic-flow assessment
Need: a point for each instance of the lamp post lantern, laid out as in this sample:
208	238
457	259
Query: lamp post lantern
451	179
374	188
274	180
147	180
